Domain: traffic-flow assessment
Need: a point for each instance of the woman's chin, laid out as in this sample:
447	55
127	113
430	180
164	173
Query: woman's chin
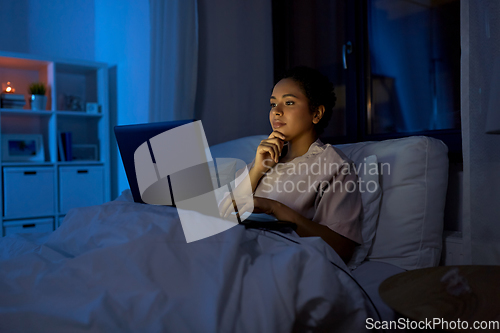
280	130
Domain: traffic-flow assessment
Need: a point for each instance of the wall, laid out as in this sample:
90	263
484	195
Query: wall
61	28
122	39
480	30
51	28
235	68
14	26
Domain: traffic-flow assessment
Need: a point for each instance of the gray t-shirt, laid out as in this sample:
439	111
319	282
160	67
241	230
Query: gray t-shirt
321	185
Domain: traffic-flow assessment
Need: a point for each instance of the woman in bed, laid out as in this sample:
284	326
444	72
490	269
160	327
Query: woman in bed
295	176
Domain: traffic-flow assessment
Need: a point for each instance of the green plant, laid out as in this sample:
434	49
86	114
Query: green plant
37	88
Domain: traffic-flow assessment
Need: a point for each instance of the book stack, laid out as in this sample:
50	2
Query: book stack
64	143
12	101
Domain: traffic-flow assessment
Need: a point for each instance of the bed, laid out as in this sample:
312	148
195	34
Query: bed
126	267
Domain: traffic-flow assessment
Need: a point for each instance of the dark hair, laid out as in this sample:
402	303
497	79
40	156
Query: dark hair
318	90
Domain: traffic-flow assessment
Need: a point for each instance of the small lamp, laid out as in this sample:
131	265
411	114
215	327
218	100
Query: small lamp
7	88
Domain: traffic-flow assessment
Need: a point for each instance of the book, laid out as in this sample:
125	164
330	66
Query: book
12	97
69	147
12	104
67	142
62	155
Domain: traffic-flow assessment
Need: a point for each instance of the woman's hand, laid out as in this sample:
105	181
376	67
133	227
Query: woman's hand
264	205
269	151
260	205
305	227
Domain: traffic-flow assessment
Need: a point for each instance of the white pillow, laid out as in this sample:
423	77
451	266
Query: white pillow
410	224
243	149
371	192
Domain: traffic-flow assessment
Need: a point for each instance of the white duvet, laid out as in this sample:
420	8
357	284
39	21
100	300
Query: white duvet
126	267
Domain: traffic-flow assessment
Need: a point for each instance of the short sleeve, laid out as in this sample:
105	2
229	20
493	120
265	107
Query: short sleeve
338	204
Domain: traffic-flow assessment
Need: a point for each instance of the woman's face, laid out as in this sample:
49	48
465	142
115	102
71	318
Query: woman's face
290	113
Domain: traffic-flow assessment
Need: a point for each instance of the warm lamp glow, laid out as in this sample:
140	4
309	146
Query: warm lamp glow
9	89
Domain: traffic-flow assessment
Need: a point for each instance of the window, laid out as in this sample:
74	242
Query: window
395	64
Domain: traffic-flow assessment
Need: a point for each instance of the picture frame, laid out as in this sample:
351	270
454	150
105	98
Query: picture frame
85	152
22	148
92	108
74	103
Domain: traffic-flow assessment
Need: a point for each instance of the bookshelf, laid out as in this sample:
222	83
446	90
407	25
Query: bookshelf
37	194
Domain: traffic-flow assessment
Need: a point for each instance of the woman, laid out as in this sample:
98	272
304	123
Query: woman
296	177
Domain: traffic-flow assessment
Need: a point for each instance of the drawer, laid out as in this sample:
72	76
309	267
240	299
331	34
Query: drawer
25	226
60	220
28	192
80	186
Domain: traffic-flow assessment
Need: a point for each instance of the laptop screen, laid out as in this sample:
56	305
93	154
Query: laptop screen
130	137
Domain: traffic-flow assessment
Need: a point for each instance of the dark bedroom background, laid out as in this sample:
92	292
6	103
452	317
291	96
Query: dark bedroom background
395	66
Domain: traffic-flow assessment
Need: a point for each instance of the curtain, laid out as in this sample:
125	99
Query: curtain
174	59
480	30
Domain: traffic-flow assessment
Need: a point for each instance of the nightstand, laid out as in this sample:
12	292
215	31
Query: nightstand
468	293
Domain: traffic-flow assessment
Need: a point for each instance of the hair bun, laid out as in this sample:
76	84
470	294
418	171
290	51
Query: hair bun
318	90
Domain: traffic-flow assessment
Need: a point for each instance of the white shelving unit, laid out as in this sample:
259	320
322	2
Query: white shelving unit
36	196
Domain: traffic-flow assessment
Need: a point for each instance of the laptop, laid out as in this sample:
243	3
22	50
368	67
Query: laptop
130	137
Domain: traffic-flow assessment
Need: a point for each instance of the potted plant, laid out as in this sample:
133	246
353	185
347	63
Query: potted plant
38	100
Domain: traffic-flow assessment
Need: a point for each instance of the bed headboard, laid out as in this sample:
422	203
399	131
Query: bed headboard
414	180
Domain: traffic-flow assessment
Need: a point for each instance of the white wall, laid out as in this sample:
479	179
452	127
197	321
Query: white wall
14	26
58	28
122	39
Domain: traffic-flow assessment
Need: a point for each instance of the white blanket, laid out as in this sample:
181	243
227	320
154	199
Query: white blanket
126	267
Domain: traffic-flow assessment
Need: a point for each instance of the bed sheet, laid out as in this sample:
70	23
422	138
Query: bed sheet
370	274
126	267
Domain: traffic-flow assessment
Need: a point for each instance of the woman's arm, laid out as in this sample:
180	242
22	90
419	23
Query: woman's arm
255	176
266	157
305	227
